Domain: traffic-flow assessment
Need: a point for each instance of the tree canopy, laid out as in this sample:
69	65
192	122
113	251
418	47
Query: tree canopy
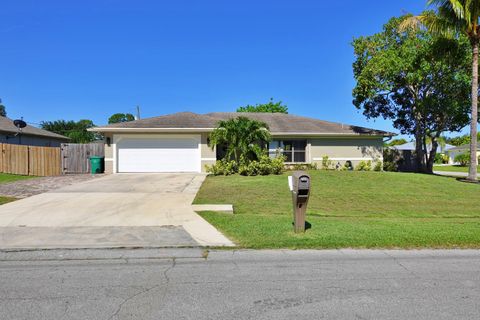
395	142
120	117
461	140
3	110
418	80
75	130
273	107
242	136
453	18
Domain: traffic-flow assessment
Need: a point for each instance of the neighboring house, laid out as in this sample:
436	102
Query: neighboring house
455	151
29	135
179	142
411	147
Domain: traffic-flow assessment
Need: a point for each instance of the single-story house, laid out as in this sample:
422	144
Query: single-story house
29	135
179	142
455	151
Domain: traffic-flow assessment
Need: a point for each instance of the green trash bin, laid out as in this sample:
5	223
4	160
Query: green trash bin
97	164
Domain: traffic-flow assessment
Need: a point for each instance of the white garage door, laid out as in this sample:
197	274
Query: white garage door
159	154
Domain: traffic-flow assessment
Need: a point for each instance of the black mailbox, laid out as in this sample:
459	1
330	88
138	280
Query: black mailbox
300	188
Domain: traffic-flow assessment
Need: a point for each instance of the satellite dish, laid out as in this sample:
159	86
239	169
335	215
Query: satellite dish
20	124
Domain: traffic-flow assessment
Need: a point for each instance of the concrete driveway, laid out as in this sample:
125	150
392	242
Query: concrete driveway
121	210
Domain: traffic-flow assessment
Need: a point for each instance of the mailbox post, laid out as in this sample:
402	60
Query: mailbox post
299	183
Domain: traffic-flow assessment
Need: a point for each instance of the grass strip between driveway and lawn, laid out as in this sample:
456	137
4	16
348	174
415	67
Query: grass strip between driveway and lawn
5	178
348	209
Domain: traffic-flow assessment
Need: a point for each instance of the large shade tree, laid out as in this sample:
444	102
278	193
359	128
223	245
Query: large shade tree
270	106
3	110
451	19
120	117
243	137
75	130
418	80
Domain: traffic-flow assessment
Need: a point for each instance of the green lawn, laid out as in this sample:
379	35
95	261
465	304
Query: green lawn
4	178
452	168
348	209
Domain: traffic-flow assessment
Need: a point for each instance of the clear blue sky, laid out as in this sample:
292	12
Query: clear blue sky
90	59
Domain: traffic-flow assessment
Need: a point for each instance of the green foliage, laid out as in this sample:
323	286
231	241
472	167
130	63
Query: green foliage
244	137
364	166
378	166
121	117
3	110
418	80
75	130
390	160
347	166
327	164
273	107
441	158
222	167
302	166
461	140
454	19
463	159
395	142
263	166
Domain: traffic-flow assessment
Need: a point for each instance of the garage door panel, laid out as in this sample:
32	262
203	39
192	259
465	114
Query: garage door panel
158	155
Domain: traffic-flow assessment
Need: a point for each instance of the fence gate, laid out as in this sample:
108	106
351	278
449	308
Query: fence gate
75	156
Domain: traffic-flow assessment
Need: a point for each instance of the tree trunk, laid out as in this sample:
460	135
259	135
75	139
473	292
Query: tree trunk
472	172
431	156
419	155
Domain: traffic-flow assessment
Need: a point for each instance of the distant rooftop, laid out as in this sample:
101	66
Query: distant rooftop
411	146
6	125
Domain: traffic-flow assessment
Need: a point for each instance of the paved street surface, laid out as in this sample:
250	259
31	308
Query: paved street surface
189	284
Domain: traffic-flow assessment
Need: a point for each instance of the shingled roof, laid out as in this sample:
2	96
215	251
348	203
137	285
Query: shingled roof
278	123
7	126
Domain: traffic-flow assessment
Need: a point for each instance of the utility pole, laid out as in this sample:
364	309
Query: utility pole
138	113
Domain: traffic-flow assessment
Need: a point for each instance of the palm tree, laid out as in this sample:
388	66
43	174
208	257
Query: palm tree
242	135
453	17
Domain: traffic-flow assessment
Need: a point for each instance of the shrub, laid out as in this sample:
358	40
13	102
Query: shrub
378	166
390	166
364	166
278	165
463	159
391	159
222	167
348	165
440	158
326	163
264	166
302	166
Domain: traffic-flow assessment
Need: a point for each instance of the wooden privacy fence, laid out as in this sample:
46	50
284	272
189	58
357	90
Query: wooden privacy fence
76	156
30	160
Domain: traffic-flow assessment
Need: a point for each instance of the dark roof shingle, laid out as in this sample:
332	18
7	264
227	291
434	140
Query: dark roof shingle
277	123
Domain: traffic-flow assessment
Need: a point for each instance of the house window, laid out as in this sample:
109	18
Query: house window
293	150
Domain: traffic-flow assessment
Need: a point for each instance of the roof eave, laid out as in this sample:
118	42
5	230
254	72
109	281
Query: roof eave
142	130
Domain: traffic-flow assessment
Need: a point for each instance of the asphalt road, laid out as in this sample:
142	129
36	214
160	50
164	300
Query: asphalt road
188	284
